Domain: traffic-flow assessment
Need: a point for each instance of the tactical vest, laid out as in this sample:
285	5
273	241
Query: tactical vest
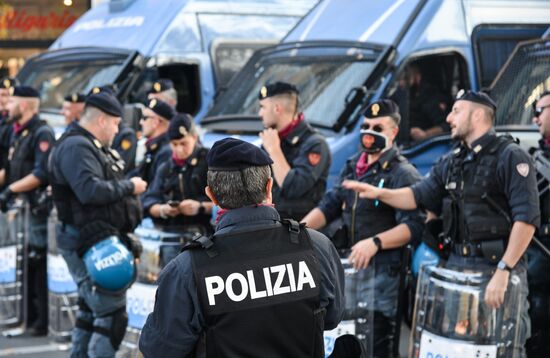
476	209
145	170
365	218
123	215
259	293
21	159
297	208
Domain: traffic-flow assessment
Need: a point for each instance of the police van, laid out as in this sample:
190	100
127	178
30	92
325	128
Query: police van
198	44
347	53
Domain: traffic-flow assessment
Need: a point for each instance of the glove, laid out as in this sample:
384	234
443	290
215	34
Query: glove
5	197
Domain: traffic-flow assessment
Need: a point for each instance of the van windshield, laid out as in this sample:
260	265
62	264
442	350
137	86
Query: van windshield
323	77
56	80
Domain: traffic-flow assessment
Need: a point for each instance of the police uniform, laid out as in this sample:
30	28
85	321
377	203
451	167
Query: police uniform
308	155
125	141
93	202
30	145
480	192
5	125
537	273
364	218
179	180
158	148
294	275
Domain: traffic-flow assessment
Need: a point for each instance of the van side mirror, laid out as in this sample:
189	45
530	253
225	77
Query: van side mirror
353	92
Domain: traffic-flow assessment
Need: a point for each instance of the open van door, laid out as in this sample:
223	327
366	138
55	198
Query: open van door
57	73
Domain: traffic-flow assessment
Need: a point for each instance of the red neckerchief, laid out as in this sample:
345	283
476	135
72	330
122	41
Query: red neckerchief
285	132
547	142
177	161
362	165
18	128
221	211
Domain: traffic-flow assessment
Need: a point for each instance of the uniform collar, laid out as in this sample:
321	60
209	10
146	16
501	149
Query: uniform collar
192	160
247	215
483	141
18	129
383	162
153	144
294	137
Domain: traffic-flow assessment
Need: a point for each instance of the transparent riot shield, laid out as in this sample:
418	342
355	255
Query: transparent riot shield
159	248
451	318
359	314
62	290
13	286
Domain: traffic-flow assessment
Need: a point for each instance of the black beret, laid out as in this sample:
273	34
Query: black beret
161	108
8	82
180	126
24	91
106	88
477	97
234	154
276	88
105	102
381	108
75	98
161	85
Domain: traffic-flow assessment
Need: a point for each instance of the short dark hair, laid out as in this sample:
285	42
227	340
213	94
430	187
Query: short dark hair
239	188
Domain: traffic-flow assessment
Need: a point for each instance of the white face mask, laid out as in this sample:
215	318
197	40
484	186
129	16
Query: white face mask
373	142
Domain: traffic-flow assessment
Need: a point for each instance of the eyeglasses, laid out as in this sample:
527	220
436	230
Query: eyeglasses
538	110
144	118
377	127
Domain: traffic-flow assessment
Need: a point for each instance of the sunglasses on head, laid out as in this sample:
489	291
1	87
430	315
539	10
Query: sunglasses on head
538	110
377	127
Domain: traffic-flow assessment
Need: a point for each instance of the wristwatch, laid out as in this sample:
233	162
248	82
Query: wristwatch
503	266
377	242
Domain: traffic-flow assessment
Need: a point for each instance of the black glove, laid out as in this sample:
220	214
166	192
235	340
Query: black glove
5	197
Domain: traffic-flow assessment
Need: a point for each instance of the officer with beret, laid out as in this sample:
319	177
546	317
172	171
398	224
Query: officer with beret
154	122
163	89
5	126
125	142
375	232
176	197
73	105
486	191
301	156
94	201
539	264
259	287
25	174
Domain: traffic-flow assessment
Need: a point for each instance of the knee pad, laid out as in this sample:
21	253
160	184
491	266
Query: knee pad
118	327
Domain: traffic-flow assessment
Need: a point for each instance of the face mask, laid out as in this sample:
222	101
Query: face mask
373	142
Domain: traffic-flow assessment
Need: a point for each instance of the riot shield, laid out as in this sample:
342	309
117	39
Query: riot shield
159	248
62	290
358	317
451	318
13	286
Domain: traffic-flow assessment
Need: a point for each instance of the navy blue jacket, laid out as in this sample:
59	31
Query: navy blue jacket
175	325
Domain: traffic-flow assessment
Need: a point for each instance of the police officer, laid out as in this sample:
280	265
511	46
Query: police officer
154	123
5	125
259	287
163	89
125	142
375	232
301	157
486	190
539	265
176	197
72	108
94	201
428	106
25	173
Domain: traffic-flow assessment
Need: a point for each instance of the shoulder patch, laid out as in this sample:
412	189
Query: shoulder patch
125	144
314	158
44	146
523	169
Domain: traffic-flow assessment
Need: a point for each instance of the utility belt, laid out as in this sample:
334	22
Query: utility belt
492	250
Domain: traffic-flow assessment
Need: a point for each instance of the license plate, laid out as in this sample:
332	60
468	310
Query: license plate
434	346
